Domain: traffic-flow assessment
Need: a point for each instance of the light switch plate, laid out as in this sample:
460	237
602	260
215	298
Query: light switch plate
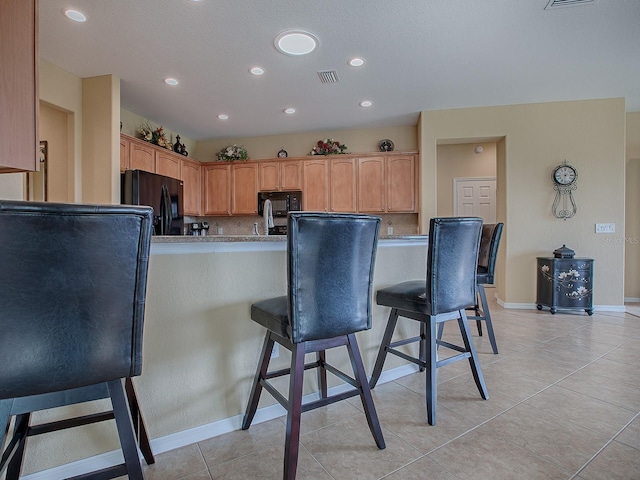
605	228
389	230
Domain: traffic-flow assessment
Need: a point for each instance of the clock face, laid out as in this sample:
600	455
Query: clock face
282	153
565	175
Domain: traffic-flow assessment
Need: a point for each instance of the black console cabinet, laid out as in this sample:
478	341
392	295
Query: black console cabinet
565	284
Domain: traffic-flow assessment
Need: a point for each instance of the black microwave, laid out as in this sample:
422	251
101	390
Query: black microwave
281	202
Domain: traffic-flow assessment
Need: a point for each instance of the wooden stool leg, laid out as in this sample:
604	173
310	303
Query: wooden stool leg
382	353
125	429
473	359
365	392
256	388
138	422
487	318
294	411
322	373
432	377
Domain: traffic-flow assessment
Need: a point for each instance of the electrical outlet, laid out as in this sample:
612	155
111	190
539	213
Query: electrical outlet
275	353
389	230
219	230
605	228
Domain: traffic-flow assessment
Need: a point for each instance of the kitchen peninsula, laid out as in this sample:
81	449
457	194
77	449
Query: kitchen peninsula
200	345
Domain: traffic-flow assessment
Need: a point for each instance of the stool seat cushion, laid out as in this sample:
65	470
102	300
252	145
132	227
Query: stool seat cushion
273	315
409	296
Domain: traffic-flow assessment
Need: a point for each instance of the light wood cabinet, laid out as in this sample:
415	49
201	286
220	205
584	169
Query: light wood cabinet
315	187
190	172
342	185
167	163
244	189
216	189
19	95
371	183
387	184
142	157
402	184
283	175
124	154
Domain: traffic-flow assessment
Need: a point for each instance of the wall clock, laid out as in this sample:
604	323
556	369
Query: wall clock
283	153
564	177
385	145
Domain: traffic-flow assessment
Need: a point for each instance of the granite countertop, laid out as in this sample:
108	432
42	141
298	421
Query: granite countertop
253	238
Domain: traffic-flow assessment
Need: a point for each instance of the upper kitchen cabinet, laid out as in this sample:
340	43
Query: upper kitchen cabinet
315	188
142	157
280	175
244	188
19	85
342	185
402	183
124	154
190	171
371	178
216	189
387	184
167	163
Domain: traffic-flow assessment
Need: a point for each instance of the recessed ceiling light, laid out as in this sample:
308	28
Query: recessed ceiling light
296	42
75	15
223	116
171	81
356	62
366	103
256	70
289	110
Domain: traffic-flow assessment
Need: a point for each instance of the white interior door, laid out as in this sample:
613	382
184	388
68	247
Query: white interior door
475	197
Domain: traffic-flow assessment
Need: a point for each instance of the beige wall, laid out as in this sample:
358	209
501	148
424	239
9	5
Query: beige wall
460	161
300	144
537	137
632	216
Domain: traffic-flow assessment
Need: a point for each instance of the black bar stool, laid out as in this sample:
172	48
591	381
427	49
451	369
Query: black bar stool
450	288
72	307
330	275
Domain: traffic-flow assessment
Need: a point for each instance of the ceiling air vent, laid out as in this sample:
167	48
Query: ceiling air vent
567	3
328	76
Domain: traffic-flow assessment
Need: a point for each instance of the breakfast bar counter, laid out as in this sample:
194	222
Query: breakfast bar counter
201	347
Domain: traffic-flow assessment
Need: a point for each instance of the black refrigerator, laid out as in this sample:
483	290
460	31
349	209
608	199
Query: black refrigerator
162	193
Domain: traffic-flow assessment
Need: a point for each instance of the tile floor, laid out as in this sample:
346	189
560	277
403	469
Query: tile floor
564	404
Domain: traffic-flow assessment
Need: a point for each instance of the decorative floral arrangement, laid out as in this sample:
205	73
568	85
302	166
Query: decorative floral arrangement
328	147
157	136
231	153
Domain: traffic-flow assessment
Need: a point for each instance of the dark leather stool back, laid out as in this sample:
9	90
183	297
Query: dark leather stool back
450	288
330	276
330	270
72	296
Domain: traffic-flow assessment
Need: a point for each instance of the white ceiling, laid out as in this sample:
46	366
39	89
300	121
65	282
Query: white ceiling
420	55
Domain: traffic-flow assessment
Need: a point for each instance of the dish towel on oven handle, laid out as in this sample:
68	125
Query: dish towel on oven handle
268	216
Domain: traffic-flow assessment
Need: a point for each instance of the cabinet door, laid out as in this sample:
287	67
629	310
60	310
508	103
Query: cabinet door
167	164
401	184
142	157
269	176
244	189
190	171
371	184
216	188
315	188
291	175
124	154
19	88
342	185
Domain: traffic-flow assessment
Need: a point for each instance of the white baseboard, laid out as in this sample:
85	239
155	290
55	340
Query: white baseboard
194	435
631	300
533	306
